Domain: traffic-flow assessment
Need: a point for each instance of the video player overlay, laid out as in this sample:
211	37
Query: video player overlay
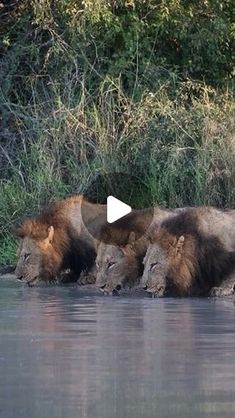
129	190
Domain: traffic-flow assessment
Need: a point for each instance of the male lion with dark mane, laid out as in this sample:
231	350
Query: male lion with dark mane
54	241
121	267
63	238
192	253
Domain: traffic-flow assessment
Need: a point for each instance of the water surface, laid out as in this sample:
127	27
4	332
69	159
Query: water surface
75	354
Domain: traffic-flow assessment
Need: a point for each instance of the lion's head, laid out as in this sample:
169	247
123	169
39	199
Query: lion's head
117	266
37	256
169	264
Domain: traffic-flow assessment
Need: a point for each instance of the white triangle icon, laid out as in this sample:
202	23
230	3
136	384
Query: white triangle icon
116	209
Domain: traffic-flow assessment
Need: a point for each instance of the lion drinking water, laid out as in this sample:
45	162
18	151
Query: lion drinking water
192	253
121	267
64	237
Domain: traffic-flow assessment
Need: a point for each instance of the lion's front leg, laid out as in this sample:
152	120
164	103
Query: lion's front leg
226	288
87	277
67	276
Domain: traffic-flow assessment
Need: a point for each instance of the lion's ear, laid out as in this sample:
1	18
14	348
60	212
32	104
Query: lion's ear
50	234
130	242
131	238
44	243
179	245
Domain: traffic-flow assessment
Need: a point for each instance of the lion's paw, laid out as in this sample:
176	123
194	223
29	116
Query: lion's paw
221	291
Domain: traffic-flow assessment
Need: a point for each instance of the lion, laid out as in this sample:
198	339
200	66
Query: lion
192	254
121	266
63	239
53	242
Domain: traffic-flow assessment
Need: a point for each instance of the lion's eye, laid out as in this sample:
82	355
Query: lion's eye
153	265
26	256
110	264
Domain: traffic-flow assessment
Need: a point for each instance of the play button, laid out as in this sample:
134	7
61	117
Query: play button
110	214
116	209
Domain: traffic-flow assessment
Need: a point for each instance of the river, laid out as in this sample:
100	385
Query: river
73	353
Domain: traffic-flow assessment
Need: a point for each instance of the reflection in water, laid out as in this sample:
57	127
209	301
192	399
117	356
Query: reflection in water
70	353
